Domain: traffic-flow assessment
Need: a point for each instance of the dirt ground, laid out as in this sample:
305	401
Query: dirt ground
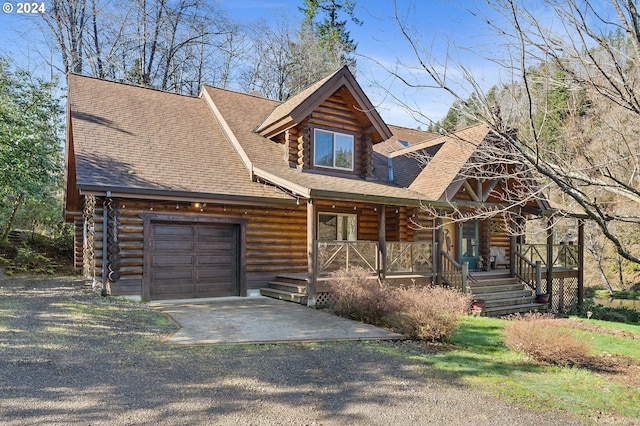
68	356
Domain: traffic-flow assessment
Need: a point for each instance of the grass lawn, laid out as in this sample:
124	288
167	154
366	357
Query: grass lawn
479	358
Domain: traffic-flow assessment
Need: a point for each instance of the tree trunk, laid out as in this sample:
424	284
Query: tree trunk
12	217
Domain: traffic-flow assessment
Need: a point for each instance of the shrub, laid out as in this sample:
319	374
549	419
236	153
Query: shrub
426	313
358	296
546	341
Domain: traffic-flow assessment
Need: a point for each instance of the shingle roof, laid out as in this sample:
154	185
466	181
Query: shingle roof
242	112
444	167
144	140
138	139
294	110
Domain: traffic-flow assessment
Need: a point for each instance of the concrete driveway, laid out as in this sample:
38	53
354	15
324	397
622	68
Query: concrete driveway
234	320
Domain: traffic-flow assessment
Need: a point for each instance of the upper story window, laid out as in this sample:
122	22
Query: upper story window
334	150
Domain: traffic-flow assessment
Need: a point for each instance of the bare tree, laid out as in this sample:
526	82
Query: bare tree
573	94
172	45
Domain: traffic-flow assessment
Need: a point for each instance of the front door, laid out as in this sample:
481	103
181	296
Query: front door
468	243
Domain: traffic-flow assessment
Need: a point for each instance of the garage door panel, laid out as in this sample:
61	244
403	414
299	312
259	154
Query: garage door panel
173	246
168	231
219	246
166	261
218	261
214	233
207	274
174	290
193	260
174	274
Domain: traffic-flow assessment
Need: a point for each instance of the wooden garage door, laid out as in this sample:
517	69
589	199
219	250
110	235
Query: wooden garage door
193	260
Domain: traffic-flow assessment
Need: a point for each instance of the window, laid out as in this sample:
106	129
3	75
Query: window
337	227
333	150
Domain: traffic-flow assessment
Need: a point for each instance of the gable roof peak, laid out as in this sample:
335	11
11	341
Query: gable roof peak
293	111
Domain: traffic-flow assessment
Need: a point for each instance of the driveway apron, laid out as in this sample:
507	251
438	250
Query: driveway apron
260	320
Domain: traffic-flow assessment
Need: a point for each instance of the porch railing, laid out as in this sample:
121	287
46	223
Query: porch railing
528	272
564	255
336	255
401	257
409	258
454	274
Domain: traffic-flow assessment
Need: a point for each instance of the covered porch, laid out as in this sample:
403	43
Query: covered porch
405	245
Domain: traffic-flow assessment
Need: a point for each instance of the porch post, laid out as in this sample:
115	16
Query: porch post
311	253
438	250
549	277
485	225
382	242
580	263
513	245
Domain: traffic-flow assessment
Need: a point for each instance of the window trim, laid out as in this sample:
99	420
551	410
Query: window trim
333	133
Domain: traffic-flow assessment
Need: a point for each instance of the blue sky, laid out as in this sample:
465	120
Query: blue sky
441	23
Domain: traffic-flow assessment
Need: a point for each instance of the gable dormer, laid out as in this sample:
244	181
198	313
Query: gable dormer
330	127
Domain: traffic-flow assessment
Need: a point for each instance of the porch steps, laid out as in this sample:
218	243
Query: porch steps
502	294
288	287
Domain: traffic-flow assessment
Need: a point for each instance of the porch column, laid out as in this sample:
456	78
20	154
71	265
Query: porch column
580	262
311	253
485	246
513	244
439	234
382	241
549	277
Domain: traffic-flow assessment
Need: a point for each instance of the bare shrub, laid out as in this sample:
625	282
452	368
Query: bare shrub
547	341
426	313
358	296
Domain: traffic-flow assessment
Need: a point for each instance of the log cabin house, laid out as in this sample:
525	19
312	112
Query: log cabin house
231	194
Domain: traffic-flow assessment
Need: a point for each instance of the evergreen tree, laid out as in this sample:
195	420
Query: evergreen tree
322	16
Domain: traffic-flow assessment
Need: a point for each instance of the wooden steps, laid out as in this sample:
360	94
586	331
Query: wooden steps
502	294
288	287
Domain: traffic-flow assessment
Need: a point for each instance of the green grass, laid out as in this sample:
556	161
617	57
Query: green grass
631	328
479	358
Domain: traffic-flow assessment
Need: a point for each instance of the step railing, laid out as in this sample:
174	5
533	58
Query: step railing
455	274
528	272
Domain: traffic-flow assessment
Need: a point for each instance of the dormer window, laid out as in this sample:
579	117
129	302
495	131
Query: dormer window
333	150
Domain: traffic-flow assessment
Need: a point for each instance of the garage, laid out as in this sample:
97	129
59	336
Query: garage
192	260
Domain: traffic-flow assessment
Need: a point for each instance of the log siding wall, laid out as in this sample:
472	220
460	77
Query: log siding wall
275	240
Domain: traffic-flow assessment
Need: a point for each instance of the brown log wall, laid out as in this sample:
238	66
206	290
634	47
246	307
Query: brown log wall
275	240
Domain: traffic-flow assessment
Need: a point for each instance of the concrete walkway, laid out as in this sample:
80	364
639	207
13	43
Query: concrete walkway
260	320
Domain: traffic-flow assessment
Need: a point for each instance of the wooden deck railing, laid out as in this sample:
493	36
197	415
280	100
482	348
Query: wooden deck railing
564	255
408	258
335	255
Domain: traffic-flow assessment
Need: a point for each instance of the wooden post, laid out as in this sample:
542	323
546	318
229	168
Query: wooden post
513	245
485	225
311	253
465	276
382	242
538	277
550	259
580	263
438	262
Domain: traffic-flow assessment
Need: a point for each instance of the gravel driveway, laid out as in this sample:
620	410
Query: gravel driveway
70	357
